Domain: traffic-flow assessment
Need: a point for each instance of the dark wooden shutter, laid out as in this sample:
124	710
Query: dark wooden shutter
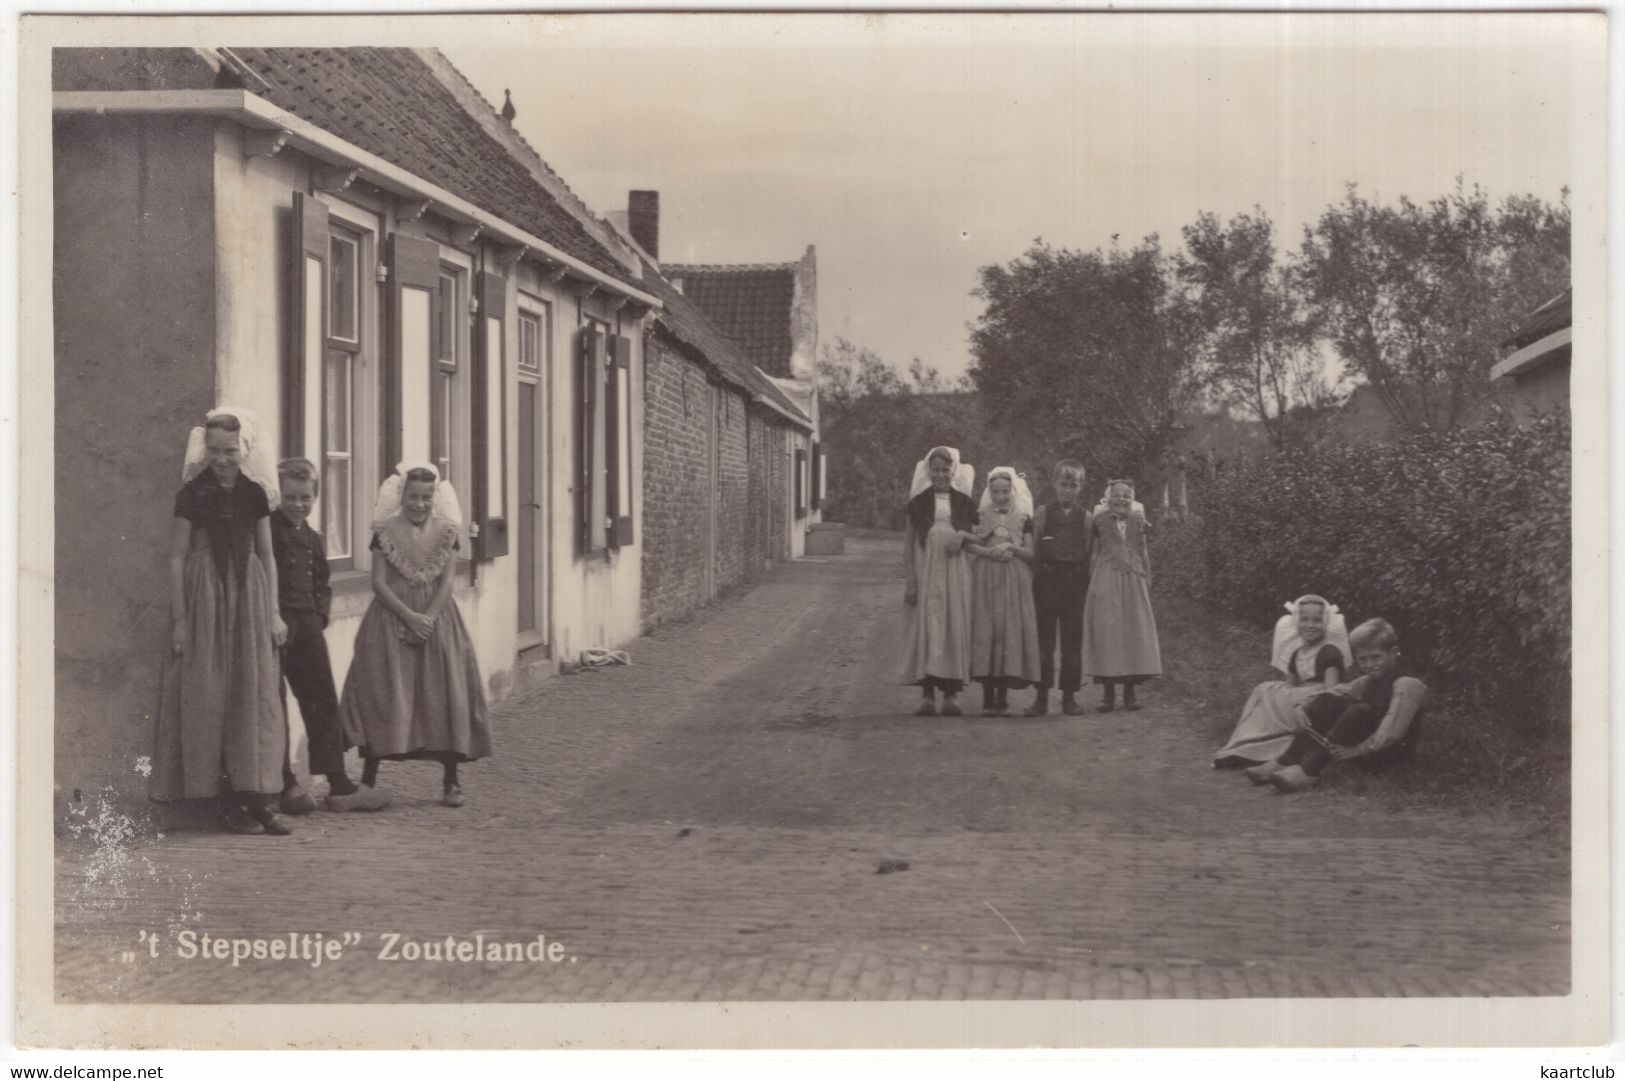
490	418
816	479
618	442
414	263
801	482
309	242
589	376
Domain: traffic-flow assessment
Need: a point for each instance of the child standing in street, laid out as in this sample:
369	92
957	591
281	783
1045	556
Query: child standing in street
937	589
1060	584
1004	628
414	688
1374	720
305	601
221	732
1119	631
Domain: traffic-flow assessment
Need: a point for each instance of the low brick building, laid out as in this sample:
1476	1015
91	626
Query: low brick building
723	445
769	312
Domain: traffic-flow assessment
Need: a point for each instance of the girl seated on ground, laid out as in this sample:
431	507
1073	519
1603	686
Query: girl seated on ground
1374	720
1311	653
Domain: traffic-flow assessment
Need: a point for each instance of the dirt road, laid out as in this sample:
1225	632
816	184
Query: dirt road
710	823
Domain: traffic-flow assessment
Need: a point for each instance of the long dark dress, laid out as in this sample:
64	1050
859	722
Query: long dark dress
220	723
407	699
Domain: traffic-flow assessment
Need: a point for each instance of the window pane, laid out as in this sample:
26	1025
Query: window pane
444	431
459	454
337	499
336	429
530	341
446	337
341	305
440	387
337	438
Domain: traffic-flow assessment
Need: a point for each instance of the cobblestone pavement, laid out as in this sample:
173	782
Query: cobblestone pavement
709	823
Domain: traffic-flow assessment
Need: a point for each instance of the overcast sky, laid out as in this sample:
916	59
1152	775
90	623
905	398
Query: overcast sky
913	156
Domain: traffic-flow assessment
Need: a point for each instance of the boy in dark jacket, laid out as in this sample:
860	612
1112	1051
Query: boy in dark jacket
305	599
1060	584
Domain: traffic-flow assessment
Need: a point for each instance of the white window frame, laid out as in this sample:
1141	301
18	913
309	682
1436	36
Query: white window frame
459	441
364	380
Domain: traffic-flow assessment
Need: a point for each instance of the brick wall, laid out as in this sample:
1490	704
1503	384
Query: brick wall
778	498
758	514
683	412
675	475
734	563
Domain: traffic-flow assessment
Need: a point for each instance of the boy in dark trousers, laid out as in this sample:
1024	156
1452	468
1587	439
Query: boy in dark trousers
1060	583
304	598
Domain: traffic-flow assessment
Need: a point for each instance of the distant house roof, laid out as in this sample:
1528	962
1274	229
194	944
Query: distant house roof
752	304
1551	316
1543	338
389	102
692	327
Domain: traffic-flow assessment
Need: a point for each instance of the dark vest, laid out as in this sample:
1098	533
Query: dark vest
922	512
1065	540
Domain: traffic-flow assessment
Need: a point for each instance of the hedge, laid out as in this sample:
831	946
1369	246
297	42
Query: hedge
1461	540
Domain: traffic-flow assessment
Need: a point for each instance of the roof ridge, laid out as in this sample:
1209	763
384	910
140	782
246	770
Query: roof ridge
371	96
727	267
506	133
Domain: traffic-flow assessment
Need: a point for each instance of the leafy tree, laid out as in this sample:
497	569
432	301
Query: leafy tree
847	372
1417	297
1088	353
875	426
1259	346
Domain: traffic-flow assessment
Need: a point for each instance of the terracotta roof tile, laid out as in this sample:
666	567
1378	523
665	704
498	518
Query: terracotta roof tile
751	303
390	103
692	327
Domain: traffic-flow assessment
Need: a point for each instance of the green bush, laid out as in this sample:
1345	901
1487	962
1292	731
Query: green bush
1460	539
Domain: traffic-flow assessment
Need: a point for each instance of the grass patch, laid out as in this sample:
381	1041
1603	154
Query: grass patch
1466	762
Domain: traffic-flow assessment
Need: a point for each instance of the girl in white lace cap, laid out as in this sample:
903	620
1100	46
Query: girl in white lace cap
1311	653
414	687
936	593
221	732
1004	623
1120	646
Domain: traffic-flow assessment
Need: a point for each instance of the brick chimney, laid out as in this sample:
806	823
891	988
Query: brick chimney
643	219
